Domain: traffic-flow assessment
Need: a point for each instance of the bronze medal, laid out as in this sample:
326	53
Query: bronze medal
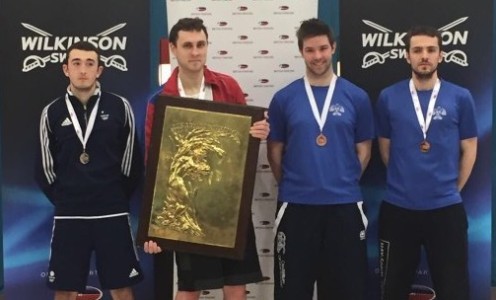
84	158
425	146
321	140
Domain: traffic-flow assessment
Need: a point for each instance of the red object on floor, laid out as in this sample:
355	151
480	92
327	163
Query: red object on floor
419	296
89	297
91	293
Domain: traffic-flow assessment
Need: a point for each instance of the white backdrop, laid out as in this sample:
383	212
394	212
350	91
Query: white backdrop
255	42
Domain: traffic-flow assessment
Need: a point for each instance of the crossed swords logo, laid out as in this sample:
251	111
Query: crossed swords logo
34	61
456	56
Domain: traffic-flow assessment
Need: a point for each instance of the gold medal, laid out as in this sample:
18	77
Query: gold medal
425	146
84	158
321	140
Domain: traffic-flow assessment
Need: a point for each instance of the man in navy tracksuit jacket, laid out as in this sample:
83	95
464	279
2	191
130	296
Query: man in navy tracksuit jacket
89	166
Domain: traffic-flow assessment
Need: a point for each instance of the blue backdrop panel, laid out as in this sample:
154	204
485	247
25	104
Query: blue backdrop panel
35	36
493	261
372	56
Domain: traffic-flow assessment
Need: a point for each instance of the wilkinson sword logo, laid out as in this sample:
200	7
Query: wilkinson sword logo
387	38
57	45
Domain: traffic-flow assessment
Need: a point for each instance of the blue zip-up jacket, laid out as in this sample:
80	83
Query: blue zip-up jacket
104	185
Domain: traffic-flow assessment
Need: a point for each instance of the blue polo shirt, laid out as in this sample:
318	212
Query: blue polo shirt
313	174
418	180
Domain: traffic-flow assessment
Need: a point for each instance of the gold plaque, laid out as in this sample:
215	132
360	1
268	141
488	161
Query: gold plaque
200	176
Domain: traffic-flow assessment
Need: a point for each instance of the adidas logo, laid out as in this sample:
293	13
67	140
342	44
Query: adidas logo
67	122
133	273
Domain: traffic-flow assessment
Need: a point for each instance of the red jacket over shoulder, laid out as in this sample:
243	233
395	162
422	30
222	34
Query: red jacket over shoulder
224	89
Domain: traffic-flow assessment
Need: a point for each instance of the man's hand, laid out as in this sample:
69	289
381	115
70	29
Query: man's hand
260	129
152	248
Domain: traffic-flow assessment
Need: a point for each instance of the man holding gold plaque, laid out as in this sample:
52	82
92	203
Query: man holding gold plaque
192	79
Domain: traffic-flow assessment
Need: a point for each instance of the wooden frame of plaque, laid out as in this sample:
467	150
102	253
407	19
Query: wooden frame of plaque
200	175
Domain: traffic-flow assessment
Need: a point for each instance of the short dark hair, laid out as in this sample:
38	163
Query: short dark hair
186	24
423	30
312	28
85	46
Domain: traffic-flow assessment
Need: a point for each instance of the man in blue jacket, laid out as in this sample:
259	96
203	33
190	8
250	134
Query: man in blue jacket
89	166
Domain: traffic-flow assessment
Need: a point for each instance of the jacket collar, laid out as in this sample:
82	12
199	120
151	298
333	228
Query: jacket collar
171	86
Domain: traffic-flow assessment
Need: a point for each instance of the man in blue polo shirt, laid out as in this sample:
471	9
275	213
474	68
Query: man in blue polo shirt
428	141
319	145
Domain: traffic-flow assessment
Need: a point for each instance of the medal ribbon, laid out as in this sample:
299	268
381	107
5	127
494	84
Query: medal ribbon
75	121
201	94
321	119
424	122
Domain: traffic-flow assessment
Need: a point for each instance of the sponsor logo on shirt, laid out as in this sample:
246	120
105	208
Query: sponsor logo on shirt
67	122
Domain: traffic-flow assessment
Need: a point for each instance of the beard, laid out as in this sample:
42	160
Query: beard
318	72
424	75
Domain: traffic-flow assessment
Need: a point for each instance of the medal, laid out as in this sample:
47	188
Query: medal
425	146
84	158
424	123
321	140
321	118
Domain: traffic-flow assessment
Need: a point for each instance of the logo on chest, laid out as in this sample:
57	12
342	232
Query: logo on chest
104	116
336	110
438	113
66	122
